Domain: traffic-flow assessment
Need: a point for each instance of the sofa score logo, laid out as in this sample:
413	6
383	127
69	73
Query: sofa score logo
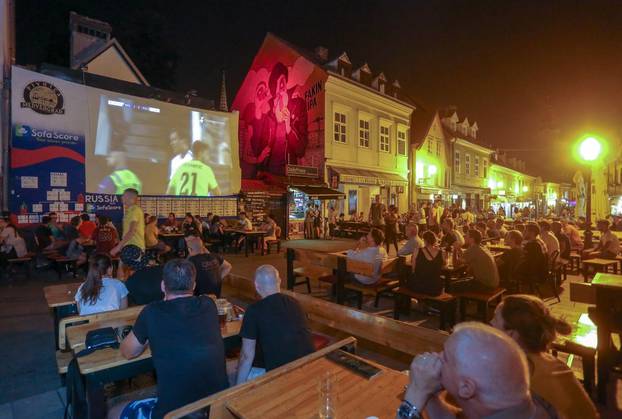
44	98
26	131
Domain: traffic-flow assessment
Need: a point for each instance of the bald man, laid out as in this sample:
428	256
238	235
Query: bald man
276	324
484	371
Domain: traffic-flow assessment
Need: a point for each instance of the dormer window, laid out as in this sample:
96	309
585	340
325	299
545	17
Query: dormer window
344	66
363	75
379	82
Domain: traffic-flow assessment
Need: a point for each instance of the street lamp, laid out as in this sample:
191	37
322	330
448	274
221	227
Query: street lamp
590	150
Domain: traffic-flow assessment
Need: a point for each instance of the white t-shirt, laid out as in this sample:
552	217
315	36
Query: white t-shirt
10	240
110	296
373	254
609	242
177	161
552	244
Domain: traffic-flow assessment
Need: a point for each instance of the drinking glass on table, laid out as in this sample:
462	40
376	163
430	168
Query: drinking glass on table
327	397
221	305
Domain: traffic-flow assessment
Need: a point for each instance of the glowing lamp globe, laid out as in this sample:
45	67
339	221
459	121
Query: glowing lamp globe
590	149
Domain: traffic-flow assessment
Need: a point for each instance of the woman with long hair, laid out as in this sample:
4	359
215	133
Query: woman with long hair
527	320
100	292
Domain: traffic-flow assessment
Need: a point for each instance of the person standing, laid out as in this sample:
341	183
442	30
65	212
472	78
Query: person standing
390	220
181	152
423	217
376	214
132	245
332	221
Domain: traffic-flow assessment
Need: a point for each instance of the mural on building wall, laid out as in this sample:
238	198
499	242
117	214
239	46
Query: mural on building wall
281	105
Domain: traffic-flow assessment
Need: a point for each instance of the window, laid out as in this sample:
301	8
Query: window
457	162
429	141
467	164
363	133
438	148
476	166
485	162
340	127
385	139
401	142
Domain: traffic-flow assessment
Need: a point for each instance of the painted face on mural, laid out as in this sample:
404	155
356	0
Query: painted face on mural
281	100
262	100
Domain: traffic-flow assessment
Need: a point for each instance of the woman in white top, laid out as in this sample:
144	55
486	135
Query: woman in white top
100	292
11	244
269	226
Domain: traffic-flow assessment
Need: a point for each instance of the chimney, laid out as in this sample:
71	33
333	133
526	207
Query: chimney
396	87
321	53
86	34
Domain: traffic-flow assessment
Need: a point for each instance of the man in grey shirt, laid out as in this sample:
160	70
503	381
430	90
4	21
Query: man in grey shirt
414	241
481	264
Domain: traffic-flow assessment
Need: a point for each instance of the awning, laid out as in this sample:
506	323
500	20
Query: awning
254	185
318	192
369	177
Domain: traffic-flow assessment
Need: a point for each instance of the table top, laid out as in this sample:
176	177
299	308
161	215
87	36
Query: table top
295	394
500	247
245	232
605	280
61	294
171	234
584	333
600	261
108	358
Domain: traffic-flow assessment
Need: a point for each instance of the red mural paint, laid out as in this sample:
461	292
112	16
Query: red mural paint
281	105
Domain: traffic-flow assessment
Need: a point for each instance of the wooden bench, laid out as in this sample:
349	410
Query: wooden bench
308	265
483	299
25	260
446	304
384	286
274	242
64	354
64	263
381	334
575	262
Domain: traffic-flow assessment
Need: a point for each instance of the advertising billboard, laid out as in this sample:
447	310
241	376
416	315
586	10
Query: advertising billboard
281	106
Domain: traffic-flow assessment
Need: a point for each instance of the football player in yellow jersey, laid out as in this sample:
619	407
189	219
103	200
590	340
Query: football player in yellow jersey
195	177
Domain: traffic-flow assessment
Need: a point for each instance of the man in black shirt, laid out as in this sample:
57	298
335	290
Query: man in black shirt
43	233
183	333
509	261
144	285
534	266
276	323
211	268
563	239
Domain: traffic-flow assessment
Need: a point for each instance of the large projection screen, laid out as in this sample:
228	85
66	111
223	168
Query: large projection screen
158	147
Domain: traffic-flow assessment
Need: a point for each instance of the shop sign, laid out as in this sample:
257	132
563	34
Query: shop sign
302	171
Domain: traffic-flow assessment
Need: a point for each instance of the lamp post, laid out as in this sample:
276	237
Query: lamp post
590	150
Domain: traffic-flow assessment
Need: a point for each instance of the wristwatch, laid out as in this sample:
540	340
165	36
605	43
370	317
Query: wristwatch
407	410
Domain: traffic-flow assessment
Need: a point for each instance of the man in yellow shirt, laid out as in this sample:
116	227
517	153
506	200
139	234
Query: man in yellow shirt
132	244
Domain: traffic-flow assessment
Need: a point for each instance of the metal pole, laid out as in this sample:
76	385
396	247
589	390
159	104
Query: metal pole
587	244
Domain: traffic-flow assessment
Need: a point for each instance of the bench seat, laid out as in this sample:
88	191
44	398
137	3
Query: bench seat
446	304
63	358
484	300
383	286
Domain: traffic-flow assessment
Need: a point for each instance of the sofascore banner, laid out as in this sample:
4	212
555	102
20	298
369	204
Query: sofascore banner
50	121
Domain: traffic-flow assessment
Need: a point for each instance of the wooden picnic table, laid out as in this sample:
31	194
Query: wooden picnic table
61	300
295	394
107	365
259	234
61	294
108	358
599	265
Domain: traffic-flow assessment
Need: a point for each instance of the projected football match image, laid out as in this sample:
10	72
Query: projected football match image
158	148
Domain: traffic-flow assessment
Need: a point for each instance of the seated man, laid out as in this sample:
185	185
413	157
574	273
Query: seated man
501	227
509	261
552	244
87	226
211	268
573	234
534	265
482	369
492	232
144	285
563	239
105	235
481	264
609	245
276	325
414	241
452	238
43	234
374	253
188	352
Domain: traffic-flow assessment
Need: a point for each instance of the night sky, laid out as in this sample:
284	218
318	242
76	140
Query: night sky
534	74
